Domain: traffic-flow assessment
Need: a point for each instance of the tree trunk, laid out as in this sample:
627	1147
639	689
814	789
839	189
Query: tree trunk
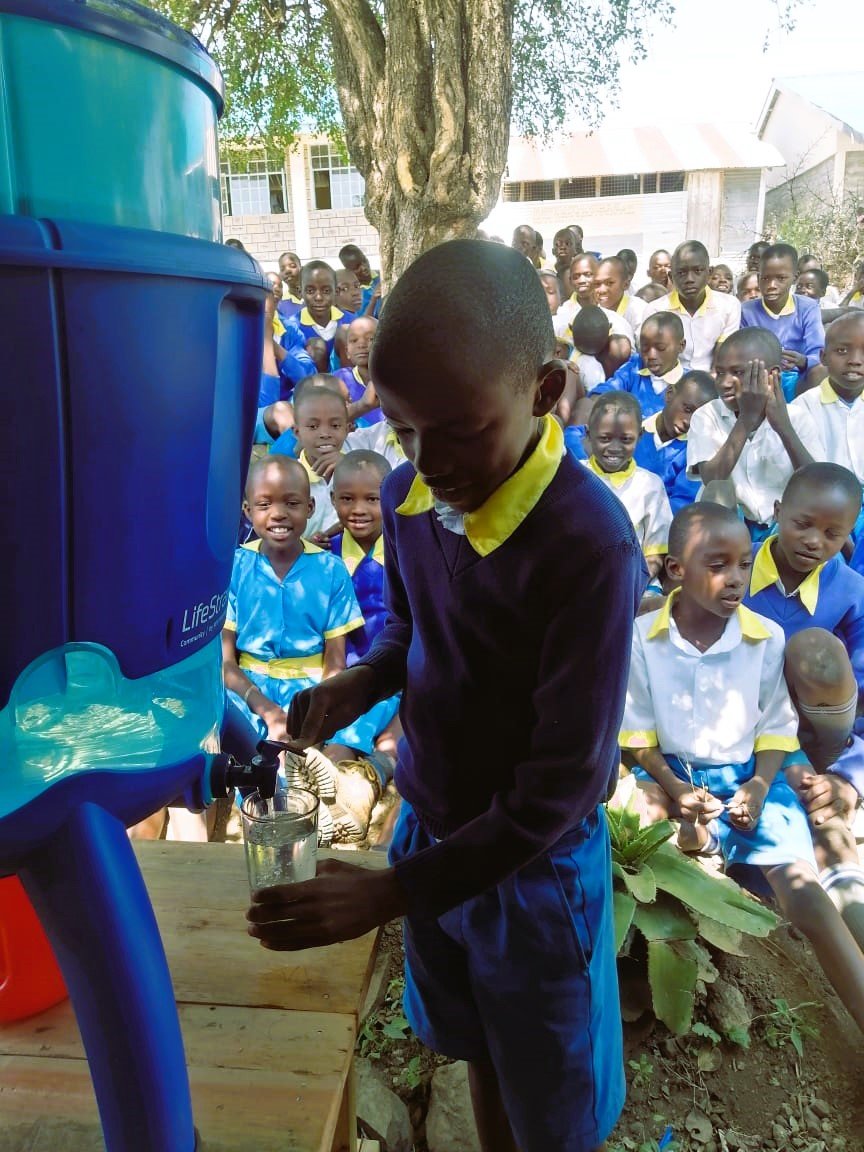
427	115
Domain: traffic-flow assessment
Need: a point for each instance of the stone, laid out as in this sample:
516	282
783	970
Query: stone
728	1008
381	1113
814	1124
820	1108
450	1120
779	1134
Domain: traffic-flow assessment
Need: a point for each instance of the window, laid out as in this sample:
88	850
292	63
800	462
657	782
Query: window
253	184
671	182
619	185
335	183
585	187
578	189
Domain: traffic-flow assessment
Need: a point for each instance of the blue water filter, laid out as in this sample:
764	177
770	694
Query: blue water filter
131	363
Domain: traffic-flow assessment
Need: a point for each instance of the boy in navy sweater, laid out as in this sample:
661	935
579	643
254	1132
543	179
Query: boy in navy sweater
513	575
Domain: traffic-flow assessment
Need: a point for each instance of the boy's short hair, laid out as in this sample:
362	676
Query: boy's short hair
705	512
805	258
322	383
274	460
485	294
618	264
624	402
589	324
722	268
694	246
293	256
780	252
630	259
703	381
315	266
343	274
353	462
767	346
823	476
833	331
547	274
351	252
666	322
652	291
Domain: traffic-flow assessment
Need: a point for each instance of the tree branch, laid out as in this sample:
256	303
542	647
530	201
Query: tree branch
359	52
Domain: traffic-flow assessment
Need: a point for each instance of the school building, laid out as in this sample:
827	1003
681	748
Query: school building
640	188
816	123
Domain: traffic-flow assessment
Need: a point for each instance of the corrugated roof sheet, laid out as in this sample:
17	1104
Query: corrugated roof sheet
626	151
841	95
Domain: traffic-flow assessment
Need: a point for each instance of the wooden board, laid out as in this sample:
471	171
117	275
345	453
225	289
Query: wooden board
200	895
262	1081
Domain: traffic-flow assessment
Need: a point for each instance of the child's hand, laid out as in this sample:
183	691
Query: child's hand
745	807
324	464
321	540
827	796
776	409
317	713
753	397
369	399
699	806
790	360
277	724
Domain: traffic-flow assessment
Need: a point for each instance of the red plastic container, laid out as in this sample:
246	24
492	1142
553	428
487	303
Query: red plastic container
30	980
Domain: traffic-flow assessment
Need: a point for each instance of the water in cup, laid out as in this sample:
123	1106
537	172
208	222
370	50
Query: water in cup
281	837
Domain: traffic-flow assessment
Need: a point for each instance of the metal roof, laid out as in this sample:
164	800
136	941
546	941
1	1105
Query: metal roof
626	151
840	95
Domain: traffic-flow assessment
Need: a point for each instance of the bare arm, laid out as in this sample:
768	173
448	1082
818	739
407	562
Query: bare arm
334	656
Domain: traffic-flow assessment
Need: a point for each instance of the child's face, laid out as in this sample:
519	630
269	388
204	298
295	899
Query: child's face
289	269
660	268
582	280
550	287
714	570
608	286
613	440
278	506
730	367
843	356
361	268
690	275
720	280
318	292
525	241
680	406
360	336
748	287
808	284
349	295
813	527
357	500
275	286
659	348
564	245
321	425
776	277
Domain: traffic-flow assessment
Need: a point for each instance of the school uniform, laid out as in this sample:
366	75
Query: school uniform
378	438
831	428
635	378
324	514
718	317
566	314
289	306
503	771
829	597
591	371
763	468
281	625
643	495
668	460
303	324
798	327
352	380
713	711
633	311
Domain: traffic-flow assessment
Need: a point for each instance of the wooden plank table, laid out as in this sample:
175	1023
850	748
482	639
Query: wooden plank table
269	1036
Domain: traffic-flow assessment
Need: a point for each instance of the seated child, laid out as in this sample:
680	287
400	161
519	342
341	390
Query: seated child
854	298
747	438
631	263
349	294
610	291
319	316
613	431
795	320
721	279
813	283
598	351
552	288
356	261
318	354
290	608
799	581
651	292
662	447
321	425
648	374
748	287
289	271
362	402
660	270
709	722
582	272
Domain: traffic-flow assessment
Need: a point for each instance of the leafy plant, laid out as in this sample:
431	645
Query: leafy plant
786	1025
668	900
411	1074
643	1071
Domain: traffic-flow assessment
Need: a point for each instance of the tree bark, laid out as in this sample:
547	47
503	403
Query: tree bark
427	115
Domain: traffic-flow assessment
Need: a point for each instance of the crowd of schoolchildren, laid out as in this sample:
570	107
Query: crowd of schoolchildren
727	417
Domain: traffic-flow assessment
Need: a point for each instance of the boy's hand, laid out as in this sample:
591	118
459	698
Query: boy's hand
341	903
324	464
745	807
776	409
321	540
790	360
316	713
699	806
753	397
825	797
277	724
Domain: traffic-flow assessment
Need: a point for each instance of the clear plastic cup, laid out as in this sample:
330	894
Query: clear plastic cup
281	837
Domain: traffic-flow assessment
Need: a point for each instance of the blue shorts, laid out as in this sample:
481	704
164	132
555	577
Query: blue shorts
525	975
782	834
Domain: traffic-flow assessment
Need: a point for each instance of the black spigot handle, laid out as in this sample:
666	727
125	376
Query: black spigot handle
259	775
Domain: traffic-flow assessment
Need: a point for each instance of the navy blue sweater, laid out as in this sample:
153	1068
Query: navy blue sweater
514	669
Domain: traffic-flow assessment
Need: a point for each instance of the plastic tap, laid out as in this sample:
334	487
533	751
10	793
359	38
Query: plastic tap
258	775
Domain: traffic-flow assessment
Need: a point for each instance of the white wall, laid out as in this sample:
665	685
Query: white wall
803	135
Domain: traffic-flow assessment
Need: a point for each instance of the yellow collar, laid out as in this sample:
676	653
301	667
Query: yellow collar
765	574
616	479
675	304
650	425
278	327
751	625
353	555
293	299
392	440
828	396
788	308
670	377
855	296
622	304
494	522
314	478
306	318
255	546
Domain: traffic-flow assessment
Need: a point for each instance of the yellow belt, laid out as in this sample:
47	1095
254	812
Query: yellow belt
290	668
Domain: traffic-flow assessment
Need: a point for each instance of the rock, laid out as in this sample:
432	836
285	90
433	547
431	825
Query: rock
779	1135
450	1119
812	1121
728	1008
382	1114
820	1108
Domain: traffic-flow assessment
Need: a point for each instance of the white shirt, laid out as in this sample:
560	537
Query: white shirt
323	514
763	468
565	315
643	495
713	707
831	429
633	311
591	371
378	438
719	317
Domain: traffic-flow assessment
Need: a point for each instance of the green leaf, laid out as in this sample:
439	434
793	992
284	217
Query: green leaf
695	951
665	920
623	906
396	1029
718	935
617	870
710	895
739	1036
673	981
646	841
702	1029
640	883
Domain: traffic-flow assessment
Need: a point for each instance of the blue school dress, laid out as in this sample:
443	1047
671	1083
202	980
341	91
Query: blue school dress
668	461
303	325
350	377
635	378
